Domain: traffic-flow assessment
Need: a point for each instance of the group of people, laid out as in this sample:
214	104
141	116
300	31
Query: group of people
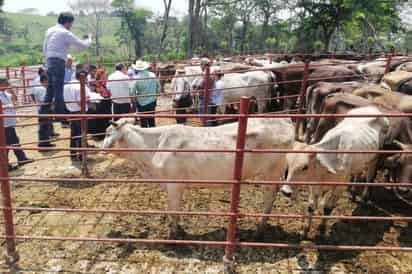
57	90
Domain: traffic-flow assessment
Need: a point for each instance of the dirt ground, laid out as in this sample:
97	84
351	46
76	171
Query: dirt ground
88	257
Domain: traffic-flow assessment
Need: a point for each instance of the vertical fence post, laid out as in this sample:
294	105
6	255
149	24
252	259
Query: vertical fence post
23	76
83	102
206	93
12	255
8	73
302	96
228	259
15	73
388	63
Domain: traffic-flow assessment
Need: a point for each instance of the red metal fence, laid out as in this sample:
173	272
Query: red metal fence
236	182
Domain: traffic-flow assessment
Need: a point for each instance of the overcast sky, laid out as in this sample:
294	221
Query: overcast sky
44	6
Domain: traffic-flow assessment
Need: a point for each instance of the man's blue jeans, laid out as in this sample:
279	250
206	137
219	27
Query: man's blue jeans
55	75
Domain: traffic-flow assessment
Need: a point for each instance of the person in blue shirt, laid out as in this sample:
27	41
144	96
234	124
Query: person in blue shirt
131	71
7	100
215	97
145	87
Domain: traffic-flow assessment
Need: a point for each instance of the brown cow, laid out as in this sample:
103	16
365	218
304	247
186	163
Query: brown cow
316	74
387	98
399	135
316	94
339	103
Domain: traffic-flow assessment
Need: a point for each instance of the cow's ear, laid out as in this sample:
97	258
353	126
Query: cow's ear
329	161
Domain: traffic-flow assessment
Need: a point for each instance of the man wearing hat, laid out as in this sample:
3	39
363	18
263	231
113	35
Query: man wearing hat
145	92
7	100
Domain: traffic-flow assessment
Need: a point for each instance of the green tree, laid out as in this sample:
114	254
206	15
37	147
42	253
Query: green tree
5	31
134	20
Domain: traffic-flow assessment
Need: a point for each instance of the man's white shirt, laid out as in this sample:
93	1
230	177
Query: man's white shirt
72	97
119	88
58	40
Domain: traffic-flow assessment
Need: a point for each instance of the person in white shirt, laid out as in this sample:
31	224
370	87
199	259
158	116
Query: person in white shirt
56	44
7	100
72	98
119	89
36	81
46	130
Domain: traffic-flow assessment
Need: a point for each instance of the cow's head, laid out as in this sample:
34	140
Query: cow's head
116	132
306	166
401	165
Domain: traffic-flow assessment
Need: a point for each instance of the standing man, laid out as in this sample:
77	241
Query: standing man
149	88
57	41
119	89
8	99
215	98
46	130
69	70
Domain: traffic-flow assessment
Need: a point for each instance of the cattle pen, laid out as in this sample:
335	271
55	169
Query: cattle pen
43	225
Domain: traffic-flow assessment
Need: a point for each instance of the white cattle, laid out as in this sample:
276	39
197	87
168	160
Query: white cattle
261	134
349	134
255	84
258	85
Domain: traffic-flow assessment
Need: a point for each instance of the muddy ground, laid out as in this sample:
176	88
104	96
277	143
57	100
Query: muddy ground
88	257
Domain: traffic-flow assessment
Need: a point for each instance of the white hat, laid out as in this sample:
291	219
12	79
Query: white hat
69	57
205	61
141	65
180	68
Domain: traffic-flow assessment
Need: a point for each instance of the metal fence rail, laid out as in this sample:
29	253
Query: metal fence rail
235	183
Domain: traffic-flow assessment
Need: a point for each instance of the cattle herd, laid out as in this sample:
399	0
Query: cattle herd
334	87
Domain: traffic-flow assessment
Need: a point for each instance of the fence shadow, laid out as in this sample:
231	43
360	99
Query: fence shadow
345	232
273	234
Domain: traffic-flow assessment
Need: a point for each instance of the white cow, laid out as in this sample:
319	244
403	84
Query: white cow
258	85
350	134
261	134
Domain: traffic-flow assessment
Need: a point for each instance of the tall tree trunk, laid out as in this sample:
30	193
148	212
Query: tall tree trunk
138	47
190	29
97	35
230	40
167	4
265	30
197	24
205	32
243	35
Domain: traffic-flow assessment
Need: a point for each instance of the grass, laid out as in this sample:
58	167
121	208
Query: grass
25	45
